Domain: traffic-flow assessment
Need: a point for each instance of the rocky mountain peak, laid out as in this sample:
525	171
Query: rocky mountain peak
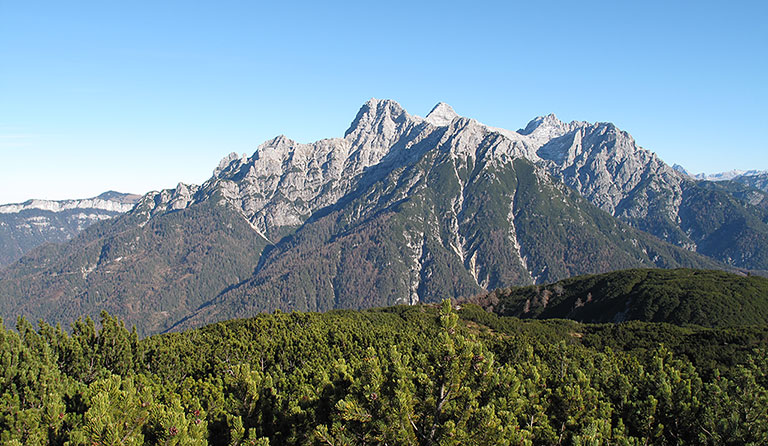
377	115
227	161
441	115
284	181
278	148
680	169
549	124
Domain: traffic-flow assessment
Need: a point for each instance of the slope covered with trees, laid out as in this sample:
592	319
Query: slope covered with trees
415	375
679	296
150	272
24	226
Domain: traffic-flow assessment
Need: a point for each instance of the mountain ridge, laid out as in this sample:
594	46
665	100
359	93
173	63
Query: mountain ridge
24	226
399	210
108	201
757	179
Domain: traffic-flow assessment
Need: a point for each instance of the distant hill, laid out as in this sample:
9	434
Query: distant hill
149	271
753	178
678	296
24	226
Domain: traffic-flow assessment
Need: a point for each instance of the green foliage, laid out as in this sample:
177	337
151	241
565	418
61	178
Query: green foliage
679	296
421	375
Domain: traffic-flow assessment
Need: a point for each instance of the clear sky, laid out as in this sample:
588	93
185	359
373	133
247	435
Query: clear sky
139	95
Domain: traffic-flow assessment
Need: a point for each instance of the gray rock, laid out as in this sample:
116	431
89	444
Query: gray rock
284	182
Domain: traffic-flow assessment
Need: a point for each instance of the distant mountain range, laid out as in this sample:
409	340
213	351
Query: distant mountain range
24	226
402	209
757	179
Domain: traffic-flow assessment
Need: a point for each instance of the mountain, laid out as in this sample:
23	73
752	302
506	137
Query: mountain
678	296
757	179
608	168
729	175
402	209
24	226
468	212
680	169
148	266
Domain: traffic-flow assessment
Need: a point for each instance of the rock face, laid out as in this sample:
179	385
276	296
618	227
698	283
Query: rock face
401	209
757	180
608	168
453	223
284	182
24	226
108	201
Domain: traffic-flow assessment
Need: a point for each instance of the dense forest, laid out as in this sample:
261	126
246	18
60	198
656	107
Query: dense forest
679	296
417	375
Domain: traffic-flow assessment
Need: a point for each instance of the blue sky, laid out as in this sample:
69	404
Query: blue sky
139	95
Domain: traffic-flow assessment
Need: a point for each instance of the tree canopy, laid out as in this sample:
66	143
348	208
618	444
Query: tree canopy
422	375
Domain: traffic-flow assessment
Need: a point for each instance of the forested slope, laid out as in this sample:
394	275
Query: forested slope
150	272
404	375
679	296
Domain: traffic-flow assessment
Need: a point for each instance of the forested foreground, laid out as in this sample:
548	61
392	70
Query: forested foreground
404	375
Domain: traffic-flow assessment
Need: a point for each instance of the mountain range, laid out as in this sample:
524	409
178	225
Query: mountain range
401	209
24	226
754	178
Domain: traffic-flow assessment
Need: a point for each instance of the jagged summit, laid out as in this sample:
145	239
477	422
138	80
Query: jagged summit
276	147
284	181
227	161
375	113
540	123
441	115
678	168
